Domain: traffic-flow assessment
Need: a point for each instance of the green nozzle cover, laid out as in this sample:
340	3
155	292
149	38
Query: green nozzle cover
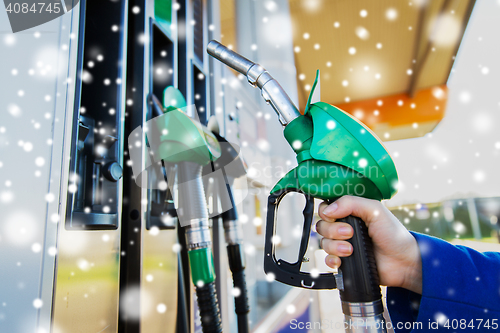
340	138
173	99
337	155
182	138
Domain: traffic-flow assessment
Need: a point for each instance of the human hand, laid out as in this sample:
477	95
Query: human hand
396	250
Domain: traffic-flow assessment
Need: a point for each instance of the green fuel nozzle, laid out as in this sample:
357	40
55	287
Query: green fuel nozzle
177	139
337	155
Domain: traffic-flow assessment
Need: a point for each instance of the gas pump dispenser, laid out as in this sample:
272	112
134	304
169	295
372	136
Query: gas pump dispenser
337	155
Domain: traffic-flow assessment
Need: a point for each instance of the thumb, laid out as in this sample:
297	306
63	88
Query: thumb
366	209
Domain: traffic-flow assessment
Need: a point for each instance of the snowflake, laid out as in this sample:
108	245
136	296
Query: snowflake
362	33
161	308
9	40
391	14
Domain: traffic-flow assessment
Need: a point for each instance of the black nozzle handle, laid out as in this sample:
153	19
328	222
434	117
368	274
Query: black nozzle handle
290	273
209	309
359	270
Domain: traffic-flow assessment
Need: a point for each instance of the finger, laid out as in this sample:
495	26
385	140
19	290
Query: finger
335	230
336	247
366	209
321	208
333	261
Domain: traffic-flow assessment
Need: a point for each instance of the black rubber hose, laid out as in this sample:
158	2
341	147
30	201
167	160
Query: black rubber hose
237	266
241	307
243	323
182	324
209	309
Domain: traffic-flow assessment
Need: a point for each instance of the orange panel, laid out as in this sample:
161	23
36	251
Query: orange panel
428	106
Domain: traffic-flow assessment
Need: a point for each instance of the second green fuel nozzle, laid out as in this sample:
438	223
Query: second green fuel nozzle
180	140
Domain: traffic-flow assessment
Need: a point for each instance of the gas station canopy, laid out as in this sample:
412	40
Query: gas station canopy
386	62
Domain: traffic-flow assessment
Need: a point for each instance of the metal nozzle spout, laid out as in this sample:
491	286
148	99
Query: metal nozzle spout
257	76
228	57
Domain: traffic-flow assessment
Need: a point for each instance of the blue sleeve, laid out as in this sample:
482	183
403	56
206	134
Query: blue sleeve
459	285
